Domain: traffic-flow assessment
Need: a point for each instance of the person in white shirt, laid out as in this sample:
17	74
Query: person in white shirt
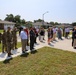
23	36
67	30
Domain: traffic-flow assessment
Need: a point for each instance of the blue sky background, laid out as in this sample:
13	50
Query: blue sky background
62	11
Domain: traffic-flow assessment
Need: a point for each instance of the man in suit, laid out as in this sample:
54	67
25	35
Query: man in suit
74	38
32	38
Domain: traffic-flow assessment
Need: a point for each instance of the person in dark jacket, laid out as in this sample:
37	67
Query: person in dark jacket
36	35
41	34
32	38
74	37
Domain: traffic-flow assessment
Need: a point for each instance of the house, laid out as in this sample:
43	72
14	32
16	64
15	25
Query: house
5	24
39	24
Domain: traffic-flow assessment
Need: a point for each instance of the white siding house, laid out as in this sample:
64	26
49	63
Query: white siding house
5	24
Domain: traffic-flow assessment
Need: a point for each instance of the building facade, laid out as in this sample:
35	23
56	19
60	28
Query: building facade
5	24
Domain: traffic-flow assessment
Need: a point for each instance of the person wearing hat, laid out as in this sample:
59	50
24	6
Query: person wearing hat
9	41
4	46
14	38
0	37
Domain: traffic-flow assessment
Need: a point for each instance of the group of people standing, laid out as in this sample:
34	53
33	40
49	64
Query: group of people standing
54	32
58	32
9	40
29	37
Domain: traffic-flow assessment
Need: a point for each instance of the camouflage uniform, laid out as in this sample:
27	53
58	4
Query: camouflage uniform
0	37
4	41
8	41
14	36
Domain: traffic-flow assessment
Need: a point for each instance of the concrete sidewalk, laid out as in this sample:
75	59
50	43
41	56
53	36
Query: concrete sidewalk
59	44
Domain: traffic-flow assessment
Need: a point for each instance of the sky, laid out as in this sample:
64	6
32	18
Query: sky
61	11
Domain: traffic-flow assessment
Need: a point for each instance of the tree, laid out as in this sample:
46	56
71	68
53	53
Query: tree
23	21
9	17
52	23
39	20
17	20
56	23
74	24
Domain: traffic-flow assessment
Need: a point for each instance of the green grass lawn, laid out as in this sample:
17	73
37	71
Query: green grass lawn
1	31
18	45
46	61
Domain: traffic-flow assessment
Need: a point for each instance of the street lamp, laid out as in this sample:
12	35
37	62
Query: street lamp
43	17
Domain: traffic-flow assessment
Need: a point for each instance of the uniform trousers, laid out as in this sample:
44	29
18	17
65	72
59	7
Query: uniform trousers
8	47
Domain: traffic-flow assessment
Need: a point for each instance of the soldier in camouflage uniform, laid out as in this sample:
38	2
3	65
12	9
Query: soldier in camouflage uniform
4	41
14	36
0	37
9	41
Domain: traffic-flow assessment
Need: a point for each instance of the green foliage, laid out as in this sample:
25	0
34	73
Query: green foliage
39	20
56	23
9	17
52	23
17	19
23	21
1	31
74	24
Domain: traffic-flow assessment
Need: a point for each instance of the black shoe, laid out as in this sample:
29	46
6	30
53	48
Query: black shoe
28	45
23	51
33	48
26	50
74	47
9	55
16	48
44	39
